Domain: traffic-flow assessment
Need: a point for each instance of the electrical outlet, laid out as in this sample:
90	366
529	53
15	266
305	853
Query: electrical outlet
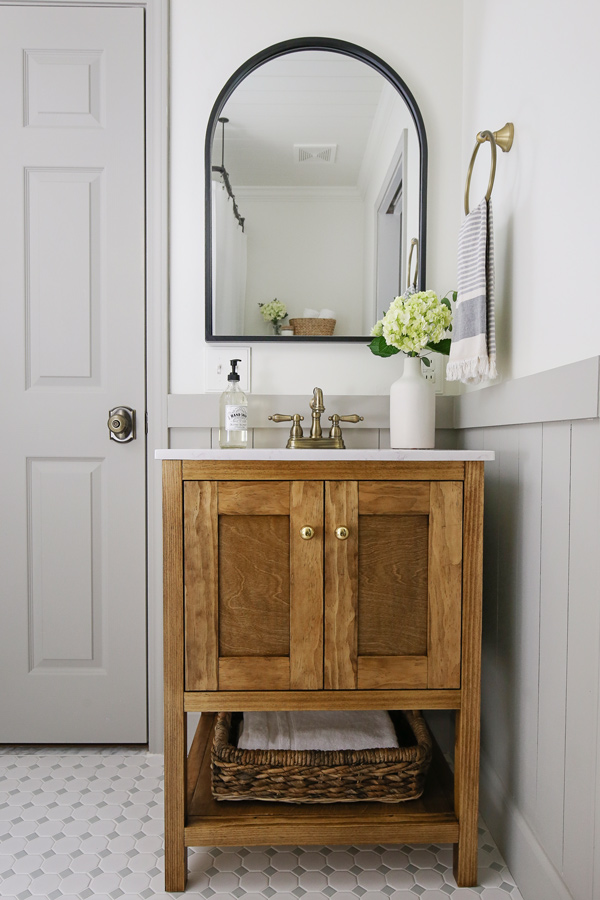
217	367
428	372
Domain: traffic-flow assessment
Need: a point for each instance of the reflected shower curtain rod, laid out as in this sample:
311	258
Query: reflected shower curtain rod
225	175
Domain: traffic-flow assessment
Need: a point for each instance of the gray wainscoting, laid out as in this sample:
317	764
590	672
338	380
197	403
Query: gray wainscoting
540	695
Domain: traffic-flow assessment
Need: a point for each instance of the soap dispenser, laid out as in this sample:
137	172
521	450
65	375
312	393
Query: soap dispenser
233	413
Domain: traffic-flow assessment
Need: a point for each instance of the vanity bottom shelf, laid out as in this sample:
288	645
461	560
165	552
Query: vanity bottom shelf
209	822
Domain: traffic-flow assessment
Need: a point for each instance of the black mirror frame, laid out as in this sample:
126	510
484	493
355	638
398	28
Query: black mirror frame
282	49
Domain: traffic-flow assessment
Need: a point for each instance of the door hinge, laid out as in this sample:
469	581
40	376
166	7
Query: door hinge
146	422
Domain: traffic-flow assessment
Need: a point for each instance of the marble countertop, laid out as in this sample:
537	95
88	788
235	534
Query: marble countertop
306	455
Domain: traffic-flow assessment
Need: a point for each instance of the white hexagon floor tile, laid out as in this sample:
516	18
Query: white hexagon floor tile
87	823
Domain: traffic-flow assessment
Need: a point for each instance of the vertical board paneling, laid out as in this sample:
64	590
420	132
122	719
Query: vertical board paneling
499	621
527	623
554	596
582	667
541	632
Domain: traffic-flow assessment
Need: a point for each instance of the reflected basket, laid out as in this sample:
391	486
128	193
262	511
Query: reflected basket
313	327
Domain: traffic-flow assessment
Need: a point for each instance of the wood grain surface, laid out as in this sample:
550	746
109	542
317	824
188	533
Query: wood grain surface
377	672
271	673
198	701
175	748
466	753
254	585
201	586
306	587
445	584
382	498
254	498
300	470
341	586
392	584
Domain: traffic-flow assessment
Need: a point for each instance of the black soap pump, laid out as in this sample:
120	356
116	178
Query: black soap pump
233	413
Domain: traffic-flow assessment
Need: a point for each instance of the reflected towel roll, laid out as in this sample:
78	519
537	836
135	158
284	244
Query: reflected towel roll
310	313
327	314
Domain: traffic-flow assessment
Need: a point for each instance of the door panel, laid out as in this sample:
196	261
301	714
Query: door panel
393	588
72	542
253	585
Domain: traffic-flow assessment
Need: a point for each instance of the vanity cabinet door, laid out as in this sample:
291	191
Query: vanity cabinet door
253	585
393	586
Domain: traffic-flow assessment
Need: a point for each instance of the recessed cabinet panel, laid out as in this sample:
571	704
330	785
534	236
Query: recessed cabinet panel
392	585
254	585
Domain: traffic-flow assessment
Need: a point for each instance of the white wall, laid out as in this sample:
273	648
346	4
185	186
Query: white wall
536	64
306	253
422	41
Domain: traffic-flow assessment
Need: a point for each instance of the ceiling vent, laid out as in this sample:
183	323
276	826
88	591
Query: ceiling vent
315	153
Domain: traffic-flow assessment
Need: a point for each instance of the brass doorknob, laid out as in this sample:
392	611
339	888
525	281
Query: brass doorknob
307	532
121	424
118	424
342	533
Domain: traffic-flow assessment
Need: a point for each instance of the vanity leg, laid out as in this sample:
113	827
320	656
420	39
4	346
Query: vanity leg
466	801
175	793
175	717
466	748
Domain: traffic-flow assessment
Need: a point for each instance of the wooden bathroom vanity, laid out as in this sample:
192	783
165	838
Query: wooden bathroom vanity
321	580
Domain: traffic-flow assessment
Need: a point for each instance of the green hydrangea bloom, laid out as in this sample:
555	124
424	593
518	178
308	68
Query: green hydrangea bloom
413	322
273	311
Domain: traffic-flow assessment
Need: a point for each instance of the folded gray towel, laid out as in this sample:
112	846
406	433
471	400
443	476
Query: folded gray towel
473	349
317	730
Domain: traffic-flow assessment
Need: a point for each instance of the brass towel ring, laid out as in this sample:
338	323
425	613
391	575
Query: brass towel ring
504	139
414	245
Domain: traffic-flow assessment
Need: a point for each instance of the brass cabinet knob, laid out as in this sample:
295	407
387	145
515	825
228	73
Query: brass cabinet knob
307	532
342	533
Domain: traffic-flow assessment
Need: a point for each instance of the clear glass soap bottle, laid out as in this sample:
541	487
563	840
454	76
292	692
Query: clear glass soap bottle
233	413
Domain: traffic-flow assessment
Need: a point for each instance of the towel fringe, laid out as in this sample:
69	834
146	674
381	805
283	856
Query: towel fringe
471	371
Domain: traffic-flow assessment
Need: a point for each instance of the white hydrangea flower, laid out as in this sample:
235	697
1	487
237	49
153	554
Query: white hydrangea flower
273	311
414	321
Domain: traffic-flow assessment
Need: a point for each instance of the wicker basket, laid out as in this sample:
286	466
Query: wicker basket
316	327
322	776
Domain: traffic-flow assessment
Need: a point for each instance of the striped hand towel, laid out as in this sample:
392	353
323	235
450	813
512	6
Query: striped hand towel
473	349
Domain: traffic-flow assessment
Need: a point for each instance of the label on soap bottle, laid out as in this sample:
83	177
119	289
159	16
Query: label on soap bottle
236	418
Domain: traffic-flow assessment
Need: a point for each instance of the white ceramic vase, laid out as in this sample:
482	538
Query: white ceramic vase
412	409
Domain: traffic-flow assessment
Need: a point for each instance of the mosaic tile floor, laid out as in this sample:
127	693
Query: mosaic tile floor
88	823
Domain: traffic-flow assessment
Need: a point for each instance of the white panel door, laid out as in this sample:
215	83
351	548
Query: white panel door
72	307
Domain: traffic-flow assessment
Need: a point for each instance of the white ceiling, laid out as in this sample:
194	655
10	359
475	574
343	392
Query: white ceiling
305	97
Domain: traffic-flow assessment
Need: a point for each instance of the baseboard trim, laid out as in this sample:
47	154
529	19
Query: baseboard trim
529	865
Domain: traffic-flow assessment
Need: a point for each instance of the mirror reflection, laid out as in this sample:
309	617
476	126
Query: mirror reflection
315	197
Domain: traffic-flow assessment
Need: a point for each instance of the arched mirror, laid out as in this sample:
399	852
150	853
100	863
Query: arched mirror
316	183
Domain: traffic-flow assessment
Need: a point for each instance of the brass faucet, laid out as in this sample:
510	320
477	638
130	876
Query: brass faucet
315	441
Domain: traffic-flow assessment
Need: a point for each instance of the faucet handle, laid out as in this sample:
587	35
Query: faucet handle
335	431
279	417
296	429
